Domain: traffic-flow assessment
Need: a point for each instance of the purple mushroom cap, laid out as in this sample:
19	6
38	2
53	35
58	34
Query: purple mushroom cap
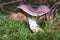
41	10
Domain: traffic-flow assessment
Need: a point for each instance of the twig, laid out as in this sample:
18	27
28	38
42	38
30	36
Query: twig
57	3
54	7
10	2
7	3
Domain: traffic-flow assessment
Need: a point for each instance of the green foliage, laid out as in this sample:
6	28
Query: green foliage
11	29
1	1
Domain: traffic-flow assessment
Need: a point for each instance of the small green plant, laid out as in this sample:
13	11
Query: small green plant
11	29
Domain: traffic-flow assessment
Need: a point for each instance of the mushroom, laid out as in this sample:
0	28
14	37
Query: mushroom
41	10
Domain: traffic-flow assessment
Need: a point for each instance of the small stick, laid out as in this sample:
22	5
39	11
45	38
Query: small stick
10	2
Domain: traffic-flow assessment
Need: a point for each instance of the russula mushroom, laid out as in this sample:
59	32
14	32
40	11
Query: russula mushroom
41	10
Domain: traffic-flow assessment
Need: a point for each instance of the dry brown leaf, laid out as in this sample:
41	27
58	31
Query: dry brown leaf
18	16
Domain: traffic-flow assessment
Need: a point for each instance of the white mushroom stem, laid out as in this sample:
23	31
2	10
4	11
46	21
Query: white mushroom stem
33	25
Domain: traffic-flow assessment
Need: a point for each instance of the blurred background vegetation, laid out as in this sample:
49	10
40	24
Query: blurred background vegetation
11	29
